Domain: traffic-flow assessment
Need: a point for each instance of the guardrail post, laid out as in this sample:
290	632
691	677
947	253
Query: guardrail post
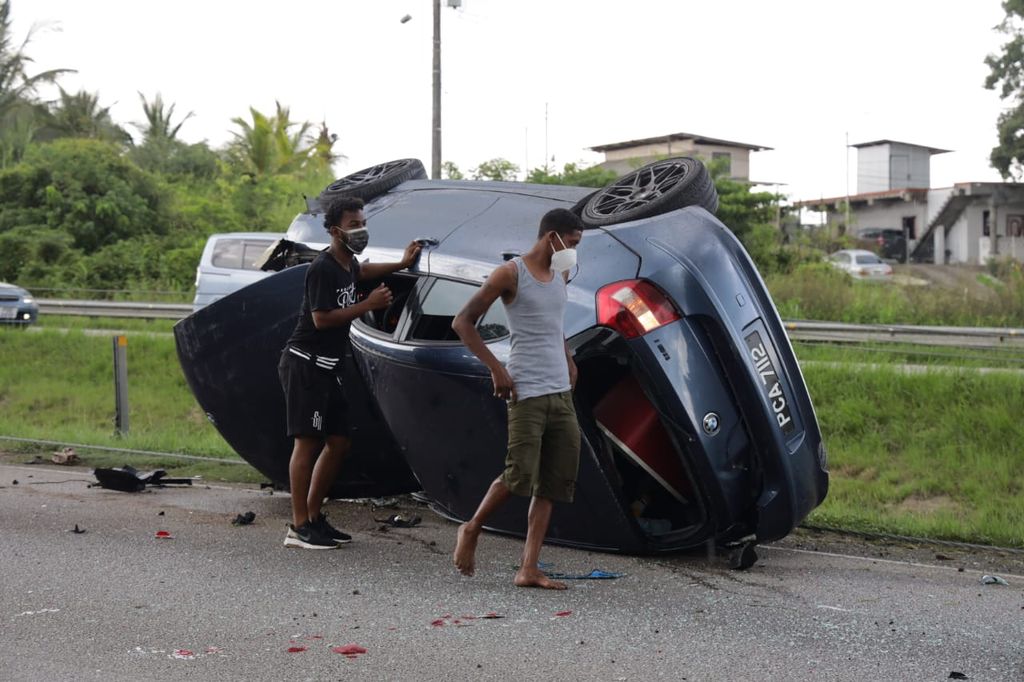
121	385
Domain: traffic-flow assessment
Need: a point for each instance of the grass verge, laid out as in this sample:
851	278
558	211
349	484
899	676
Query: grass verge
935	454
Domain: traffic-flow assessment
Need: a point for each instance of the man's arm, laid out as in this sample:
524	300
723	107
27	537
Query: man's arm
502	282
377	270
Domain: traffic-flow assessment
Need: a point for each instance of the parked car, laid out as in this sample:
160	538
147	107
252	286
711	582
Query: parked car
229	262
17	305
861	264
697	424
888	243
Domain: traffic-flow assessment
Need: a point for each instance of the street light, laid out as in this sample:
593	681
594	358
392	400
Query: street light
435	126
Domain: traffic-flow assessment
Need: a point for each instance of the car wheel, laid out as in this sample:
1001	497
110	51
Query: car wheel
651	190
374	181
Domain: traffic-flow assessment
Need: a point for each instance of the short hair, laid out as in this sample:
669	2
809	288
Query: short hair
339	206
562	221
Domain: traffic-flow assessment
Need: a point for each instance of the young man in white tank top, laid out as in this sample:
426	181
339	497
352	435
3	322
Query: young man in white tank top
544	436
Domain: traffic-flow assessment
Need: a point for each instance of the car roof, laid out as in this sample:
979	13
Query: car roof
856	252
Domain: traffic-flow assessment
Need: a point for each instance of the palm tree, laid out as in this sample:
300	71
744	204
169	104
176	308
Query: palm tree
18	105
267	145
158	124
80	115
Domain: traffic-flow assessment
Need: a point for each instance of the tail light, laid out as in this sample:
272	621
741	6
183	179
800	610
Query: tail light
634	307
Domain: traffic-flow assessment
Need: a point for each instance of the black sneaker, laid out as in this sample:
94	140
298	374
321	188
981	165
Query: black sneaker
330	531
308	536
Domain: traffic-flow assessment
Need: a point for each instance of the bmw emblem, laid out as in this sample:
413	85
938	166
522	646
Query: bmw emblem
711	423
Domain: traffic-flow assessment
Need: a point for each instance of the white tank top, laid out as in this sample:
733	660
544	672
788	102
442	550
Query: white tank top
535	317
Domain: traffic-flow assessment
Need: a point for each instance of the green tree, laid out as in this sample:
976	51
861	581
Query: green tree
19	108
496	169
1006	73
323	153
159	125
450	171
80	115
573	174
268	145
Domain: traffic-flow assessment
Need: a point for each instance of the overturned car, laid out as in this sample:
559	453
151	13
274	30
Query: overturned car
697	424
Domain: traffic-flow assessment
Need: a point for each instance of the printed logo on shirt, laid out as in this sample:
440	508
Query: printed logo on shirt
318	421
347	296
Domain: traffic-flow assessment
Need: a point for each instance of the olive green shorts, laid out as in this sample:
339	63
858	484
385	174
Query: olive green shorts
543	447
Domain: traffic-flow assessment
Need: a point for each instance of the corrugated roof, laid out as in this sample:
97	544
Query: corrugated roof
918	192
875	143
699	139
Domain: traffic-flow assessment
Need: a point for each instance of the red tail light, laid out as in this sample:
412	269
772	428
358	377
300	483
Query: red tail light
634	307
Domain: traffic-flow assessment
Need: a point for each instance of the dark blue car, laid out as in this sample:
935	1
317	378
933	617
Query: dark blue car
17	306
697	424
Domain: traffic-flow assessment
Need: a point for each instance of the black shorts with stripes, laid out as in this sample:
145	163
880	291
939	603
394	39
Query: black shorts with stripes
314	397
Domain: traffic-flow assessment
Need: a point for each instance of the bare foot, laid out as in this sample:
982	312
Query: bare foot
464	556
536	578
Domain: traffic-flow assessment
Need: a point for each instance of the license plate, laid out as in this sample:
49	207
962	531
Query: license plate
8	313
770	384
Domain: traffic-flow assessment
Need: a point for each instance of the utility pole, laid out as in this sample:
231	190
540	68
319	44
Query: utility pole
847	221
435	147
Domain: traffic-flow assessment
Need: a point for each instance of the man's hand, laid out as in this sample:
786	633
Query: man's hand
411	252
379	298
503	386
573	373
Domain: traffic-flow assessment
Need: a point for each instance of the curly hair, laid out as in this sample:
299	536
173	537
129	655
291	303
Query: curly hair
332	217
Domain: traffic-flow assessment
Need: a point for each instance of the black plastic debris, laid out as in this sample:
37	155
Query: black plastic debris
743	557
128	479
957	676
76	530
244	519
399	521
14	482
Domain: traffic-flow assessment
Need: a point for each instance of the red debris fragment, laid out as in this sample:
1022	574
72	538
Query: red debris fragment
439	623
164	535
564	613
297	649
492	614
316	637
184	654
349	650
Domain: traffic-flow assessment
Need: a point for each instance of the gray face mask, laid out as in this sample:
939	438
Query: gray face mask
356	240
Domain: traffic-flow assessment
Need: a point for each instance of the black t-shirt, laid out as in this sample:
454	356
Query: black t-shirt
328	286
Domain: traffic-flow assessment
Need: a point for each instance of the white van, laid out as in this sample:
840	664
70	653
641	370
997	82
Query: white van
229	262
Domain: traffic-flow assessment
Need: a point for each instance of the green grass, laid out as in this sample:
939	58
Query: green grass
936	454
112	323
910	354
933	454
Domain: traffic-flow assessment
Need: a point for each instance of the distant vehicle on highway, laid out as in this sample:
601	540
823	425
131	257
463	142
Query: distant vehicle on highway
861	264
229	262
17	305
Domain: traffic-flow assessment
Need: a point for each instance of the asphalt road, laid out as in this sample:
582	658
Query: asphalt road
115	603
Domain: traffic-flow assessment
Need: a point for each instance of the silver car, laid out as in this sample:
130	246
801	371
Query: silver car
861	264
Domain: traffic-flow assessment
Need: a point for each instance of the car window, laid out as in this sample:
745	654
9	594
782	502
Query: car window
867	259
227	253
252	252
442	303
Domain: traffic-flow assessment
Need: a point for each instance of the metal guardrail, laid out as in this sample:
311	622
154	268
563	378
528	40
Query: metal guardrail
800	330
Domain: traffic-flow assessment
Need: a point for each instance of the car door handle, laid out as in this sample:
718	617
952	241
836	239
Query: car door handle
427	242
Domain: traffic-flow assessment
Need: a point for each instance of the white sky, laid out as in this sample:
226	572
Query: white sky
794	75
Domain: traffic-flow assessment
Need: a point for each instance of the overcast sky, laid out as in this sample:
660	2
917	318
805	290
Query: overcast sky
794	75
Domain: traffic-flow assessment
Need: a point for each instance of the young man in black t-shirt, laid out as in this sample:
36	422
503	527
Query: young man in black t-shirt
311	368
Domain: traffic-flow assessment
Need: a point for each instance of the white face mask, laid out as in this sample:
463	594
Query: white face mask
564	260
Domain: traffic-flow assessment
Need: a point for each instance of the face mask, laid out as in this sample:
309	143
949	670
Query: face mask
564	260
356	240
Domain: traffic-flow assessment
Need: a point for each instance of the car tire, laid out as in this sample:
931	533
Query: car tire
373	181
651	190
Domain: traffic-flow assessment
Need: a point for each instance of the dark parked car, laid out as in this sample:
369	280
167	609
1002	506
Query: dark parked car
696	420
886	242
17	305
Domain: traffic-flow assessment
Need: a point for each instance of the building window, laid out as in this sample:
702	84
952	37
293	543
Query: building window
1015	225
726	162
986	223
910	227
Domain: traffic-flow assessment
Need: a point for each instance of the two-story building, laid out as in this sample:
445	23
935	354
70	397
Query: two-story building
623	157
967	223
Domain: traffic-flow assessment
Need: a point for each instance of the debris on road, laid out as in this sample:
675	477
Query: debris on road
399	521
164	535
128	479
993	580
244	519
957	676
297	648
562	614
596	574
65	456
184	654
76	530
